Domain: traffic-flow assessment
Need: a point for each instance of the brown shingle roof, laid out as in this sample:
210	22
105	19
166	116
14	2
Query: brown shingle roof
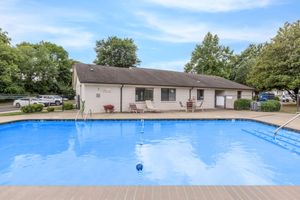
141	76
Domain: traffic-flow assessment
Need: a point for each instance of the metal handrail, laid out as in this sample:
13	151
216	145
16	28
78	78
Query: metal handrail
77	115
286	123
89	113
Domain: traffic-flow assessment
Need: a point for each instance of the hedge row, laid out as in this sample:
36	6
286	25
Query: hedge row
32	108
50	109
266	106
68	106
270	106
242	104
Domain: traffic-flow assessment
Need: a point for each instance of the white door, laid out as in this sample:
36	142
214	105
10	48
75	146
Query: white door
220	101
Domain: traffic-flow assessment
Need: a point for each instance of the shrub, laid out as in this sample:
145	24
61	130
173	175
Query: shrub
242	104
50	109
277	98
37	107
68	106
27	109
270	106
32	108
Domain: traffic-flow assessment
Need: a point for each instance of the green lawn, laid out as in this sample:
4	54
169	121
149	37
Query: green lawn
56	108
289	108
20	113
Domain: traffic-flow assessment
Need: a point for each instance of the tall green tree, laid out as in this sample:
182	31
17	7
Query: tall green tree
116	52
34	68
244	62
45	68
278	65
211	58
4	37
9	71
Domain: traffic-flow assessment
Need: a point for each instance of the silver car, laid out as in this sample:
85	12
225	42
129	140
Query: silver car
26	101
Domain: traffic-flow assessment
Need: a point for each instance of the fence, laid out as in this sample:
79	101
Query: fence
11	96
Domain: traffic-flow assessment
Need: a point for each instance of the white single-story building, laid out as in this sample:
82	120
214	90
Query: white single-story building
102	85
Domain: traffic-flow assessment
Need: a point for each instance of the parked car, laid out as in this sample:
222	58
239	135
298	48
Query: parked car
265	96
286	98
26	101
52	99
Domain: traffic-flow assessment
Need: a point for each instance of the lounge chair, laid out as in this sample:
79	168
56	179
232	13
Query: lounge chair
150	106
200	106
133	108
182	106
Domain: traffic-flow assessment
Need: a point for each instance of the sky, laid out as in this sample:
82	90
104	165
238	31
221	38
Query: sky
165	31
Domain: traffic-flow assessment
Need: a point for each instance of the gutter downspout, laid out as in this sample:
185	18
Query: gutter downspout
190	93
121	98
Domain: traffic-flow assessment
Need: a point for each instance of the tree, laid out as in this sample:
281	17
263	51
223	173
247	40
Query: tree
9	71
211	58
116	52
59	56
34	68
4	37
244	63
278	65
45	68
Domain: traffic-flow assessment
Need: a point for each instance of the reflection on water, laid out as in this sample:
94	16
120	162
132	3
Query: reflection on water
176	161
172	153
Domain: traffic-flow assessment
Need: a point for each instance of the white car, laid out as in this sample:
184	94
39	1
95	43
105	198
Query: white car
26	101
51	99
286	98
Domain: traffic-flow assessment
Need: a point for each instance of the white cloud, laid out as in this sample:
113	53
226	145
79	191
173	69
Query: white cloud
35	23
213	5
171	30
174	65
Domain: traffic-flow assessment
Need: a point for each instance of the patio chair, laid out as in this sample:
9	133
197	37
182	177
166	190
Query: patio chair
182	106
200	106
133	108
190	106
150	106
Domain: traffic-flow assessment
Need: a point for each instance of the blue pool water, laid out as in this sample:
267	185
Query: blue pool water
171	152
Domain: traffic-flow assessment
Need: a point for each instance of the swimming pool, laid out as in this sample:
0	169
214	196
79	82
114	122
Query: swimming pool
170	152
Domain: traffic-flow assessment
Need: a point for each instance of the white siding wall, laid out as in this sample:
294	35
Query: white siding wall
110	94
182	94
246	94
231	96
209	97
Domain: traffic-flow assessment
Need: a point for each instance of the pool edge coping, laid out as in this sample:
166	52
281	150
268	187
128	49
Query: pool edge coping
149	119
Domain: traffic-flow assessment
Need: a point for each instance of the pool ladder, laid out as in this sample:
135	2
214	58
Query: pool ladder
77	115
286	123
90	113
284	140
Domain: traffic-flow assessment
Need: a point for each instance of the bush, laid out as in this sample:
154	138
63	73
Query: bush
242	104
68	106
37	107
270	106
277	98
32	108
50	109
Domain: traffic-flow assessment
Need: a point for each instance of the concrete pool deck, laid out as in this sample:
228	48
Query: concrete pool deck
266	117
157	192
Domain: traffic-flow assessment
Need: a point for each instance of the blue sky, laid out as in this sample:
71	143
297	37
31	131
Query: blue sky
166	31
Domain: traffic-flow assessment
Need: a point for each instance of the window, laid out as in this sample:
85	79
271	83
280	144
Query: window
239	94
168	94
200	95
143	94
